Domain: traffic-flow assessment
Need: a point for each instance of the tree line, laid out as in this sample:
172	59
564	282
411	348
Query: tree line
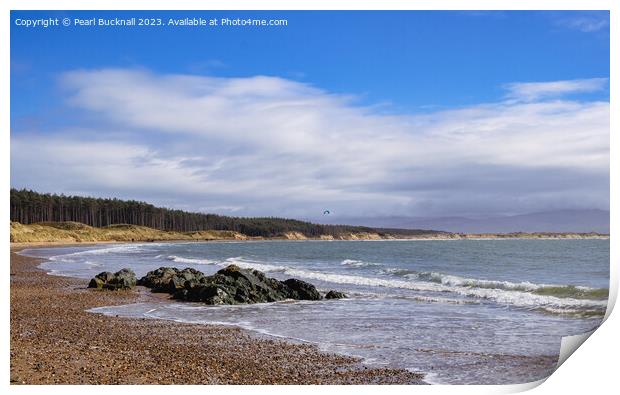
29	207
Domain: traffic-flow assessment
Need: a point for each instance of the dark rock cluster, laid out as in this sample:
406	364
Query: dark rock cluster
231	285
123	279
169	279
335	295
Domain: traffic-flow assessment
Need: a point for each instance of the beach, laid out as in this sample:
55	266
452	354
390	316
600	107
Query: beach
415	311
55	341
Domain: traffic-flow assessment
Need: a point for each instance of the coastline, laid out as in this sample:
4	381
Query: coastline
59	233
54	340
43	244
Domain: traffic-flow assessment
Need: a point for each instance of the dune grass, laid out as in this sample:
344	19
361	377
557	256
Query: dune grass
71	232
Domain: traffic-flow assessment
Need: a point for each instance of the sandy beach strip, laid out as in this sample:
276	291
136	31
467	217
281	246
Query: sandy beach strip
55	341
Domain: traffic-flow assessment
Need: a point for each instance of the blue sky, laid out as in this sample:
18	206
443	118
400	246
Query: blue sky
411	59
375	78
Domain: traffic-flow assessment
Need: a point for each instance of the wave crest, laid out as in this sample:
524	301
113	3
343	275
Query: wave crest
194	261
357	263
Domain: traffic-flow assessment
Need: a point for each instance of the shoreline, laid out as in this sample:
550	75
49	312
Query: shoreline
43	244
54	340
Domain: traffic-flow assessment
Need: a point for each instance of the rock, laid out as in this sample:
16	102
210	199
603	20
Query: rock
96	282
335	295
302	290
123	279
169	279
159	278
206	293
231	285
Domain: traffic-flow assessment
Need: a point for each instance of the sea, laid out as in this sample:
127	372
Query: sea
460	311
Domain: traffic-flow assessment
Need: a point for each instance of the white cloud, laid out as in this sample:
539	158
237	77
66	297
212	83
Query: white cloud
531	91
586	23
271	146
77	166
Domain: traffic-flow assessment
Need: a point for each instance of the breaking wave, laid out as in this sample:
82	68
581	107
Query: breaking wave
554	299
438	287
121	249
193	261
356	263
559	291
249	264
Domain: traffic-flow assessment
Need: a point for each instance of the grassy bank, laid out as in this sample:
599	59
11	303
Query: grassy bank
75	232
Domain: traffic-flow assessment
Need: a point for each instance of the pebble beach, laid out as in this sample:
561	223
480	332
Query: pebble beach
54	340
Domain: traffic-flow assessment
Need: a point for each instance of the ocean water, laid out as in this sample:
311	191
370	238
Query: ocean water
460	311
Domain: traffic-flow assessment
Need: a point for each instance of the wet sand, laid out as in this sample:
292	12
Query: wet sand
55	341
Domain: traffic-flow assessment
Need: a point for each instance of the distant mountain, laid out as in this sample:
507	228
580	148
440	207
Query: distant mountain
581	221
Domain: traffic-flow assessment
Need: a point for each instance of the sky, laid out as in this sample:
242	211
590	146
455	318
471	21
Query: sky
359	113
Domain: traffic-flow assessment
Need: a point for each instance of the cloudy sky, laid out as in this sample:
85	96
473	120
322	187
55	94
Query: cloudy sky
420	114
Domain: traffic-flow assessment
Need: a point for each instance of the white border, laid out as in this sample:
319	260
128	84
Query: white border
593	367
